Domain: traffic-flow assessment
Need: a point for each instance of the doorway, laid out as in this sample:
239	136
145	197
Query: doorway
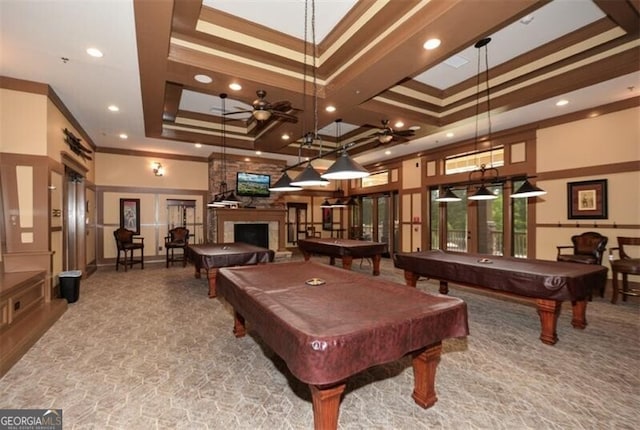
75	221
296	222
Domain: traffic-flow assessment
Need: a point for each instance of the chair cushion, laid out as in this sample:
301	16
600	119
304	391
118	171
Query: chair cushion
176	244
578	258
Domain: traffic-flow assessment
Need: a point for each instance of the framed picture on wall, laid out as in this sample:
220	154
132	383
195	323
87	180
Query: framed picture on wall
130	214
327	219
587	199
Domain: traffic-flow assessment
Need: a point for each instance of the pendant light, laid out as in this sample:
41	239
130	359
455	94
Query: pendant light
448	196
309	177
344	167
284	184
528	190
483	192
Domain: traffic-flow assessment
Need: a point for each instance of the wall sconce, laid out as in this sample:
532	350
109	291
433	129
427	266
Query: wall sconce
158	170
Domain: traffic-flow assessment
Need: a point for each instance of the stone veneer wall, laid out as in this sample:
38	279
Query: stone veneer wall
236	164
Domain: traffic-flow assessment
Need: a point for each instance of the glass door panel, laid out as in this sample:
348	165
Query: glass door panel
490	225
519	224
457	223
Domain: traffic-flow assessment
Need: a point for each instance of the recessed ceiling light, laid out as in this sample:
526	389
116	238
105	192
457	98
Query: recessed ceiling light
285	136
414	127
247	159
258	152
94	52
203	79
562	102
123	136
113	108
330	108
387	152
235	86
431	44
450	134
399	124
526	20
198	145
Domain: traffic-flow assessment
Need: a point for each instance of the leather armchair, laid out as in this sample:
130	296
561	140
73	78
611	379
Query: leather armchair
587	248
127	243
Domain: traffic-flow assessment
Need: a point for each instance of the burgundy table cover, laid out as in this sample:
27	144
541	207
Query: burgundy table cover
541	279
328	332
211	256
342	247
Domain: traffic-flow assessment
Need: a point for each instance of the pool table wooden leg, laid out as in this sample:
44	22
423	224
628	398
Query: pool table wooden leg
326	405
548	310
376	264
579	319
211	278
347	261
239	327
410	278
425	362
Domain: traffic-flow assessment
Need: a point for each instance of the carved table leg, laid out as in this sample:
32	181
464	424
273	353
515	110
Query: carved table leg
211	277
410	278
347	261
425	362
579	319
306	255
332	261
444	287
376	264
198	268
548	310
326	406
239	328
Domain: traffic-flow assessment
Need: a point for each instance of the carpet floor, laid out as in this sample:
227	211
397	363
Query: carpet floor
147	349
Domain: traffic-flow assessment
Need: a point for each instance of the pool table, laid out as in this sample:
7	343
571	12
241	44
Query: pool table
328	324
212	256
549	283
345	249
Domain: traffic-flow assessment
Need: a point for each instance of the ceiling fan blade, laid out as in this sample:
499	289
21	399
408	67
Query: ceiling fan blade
404	133
282	105
239	111
285	116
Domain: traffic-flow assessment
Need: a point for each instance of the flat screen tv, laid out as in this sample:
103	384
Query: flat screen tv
252	184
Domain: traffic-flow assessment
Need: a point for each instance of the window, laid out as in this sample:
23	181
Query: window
469	161
375	179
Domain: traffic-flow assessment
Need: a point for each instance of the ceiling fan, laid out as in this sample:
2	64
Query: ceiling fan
387	134
263	109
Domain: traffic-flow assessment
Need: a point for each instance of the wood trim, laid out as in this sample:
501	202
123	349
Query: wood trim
605	169
69	161
589	224
132	153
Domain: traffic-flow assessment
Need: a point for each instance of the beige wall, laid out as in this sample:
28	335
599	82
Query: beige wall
136	171
23	122
601	141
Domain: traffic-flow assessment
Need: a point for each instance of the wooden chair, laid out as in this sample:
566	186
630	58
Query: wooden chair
587	248
625	264
178	238
127	243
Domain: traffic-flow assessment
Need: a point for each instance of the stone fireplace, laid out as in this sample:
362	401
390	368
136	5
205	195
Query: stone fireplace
225	221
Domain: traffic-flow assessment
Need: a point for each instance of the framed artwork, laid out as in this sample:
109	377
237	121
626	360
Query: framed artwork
587	199
130	214
327	219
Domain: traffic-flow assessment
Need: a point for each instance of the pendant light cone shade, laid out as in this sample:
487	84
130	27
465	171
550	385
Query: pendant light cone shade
528	190
325	204
309	177
483	193
345	168
352	202
230	199
284	184
448	196
339	204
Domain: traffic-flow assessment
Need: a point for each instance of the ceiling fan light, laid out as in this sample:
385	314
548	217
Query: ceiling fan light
385	138
309	177
528	190
448	196
261	114
345	167
284	184
483	193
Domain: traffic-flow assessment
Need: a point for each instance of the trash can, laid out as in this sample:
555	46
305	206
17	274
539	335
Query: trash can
70	285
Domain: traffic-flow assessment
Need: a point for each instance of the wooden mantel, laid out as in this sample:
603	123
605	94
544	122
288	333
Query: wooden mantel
254	215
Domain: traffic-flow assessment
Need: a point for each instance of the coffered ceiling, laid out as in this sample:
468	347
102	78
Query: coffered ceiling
369	60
